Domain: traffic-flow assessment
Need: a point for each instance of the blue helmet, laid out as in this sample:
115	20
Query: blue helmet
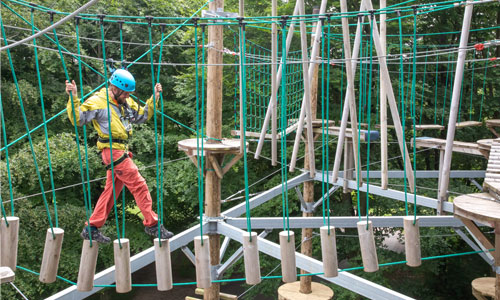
123	80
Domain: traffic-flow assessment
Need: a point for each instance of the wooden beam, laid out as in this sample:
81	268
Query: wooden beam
231	163
477	233
383	104
215	164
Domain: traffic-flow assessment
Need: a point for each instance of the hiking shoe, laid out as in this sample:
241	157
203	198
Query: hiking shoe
96	235
153	231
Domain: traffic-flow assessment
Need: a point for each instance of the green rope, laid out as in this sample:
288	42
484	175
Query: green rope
27	130
484	84
155	124
435	89
284	185
162	164
369	112
199	155
445	89
4	133
403	109
244	116
120	26
51	173
472	86
414	112
112	164
423	89
87	200
358	154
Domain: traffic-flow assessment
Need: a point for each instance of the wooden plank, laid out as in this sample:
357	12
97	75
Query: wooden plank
460	147
429	126
493	122
477	233
468	124
479	207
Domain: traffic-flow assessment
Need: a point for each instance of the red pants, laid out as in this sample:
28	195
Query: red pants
125	173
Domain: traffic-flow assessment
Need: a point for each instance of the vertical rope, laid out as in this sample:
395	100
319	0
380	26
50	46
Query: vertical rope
284	169
401	68
244	116
46	135
162	163
484	84
472	84
120	26
369	112
358	158
101	26
436	89
199	151
27	129
324	167
151	59
87	200
414	112
423	88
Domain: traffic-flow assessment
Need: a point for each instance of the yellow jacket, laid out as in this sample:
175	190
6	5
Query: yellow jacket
95	110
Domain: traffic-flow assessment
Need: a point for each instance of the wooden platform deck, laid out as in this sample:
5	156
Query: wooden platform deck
435	143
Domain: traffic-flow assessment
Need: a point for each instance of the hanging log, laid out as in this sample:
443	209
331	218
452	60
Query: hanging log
203	268
251	257
123	277
163	265
88	262
367	244
51	255
412	242
9	238
288	264
329	251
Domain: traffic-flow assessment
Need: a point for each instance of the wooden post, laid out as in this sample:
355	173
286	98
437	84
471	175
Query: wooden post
307	233
349	103
123	276
274	86
203	265
9	238
305	110
392	100
214	130
383	104
288	263
251	258
51	255
455	101
412	242
367	244
329	251
278	82
163	264
348	166
88	261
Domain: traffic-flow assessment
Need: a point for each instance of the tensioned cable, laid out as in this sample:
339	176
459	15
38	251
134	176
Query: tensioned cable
87	200
47	144
51	27
199	126
414	113
28	132
110	134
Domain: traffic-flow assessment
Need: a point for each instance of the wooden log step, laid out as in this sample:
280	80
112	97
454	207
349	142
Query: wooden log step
493	122
429	126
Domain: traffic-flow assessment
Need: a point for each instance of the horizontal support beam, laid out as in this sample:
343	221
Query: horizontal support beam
425	174
342	222
392	194
344	279
137	262
240	209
